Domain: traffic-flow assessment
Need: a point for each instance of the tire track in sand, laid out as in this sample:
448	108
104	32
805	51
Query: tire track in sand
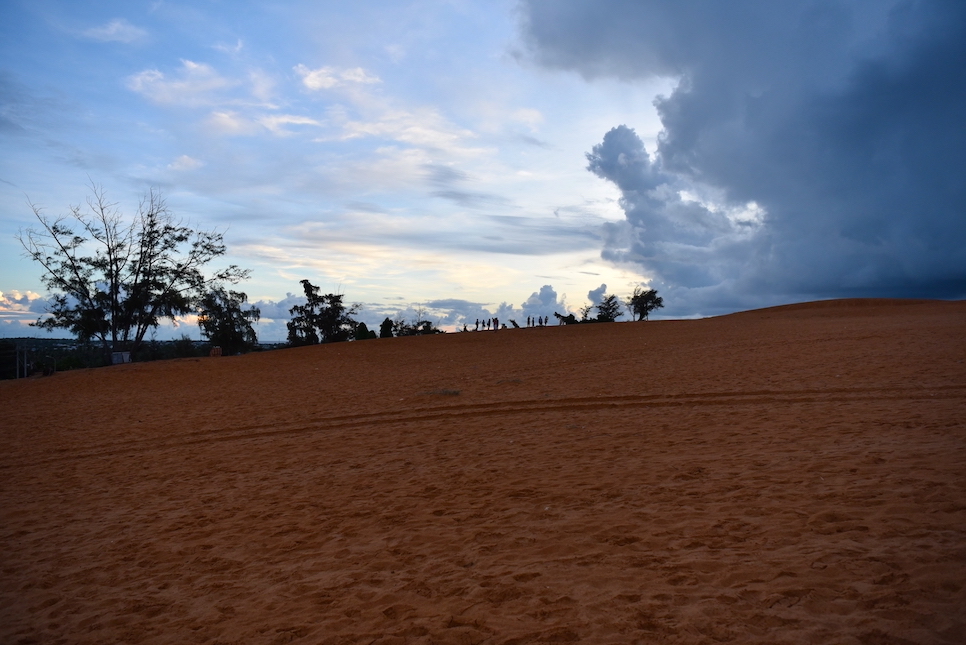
506	408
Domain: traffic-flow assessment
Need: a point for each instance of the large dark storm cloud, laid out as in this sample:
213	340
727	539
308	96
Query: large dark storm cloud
811	149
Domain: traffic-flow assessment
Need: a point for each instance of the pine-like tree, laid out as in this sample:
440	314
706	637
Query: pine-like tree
225	323
609	309
322	319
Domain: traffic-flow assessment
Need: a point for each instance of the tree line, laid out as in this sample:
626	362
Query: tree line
114	281
640	303
324	318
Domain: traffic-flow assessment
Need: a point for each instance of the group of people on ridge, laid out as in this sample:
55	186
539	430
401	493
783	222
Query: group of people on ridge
494	323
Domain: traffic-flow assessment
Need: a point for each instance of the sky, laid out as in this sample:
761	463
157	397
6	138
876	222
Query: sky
508	158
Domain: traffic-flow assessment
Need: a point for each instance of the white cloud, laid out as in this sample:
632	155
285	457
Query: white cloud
194	85
368	115
229	49
422	127
184	162
118	30
20	308
323	78
359	75
396	52
527	116
228	122
276	124
17	300
263	85
327	78
390	169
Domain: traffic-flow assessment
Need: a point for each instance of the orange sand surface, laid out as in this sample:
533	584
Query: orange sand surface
787	475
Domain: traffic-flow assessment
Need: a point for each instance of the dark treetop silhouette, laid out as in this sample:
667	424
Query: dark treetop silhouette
322	319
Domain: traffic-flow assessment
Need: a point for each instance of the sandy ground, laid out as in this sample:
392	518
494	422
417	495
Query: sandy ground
789	475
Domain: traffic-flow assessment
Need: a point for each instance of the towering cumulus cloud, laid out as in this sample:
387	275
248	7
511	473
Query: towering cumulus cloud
810	149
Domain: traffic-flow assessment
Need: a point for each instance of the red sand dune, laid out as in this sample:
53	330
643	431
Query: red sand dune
788	475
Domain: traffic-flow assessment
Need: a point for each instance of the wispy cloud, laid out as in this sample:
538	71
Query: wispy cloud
419	127
118	30
528	116
195	84
229	49
185	163
473	200
327	78
363	113
276	123
262	84
230	122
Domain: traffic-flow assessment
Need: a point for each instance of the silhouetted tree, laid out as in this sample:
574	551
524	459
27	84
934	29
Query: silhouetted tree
419	326
184	347
643	301
415	328
609	309
115	280
225	323
385	329
363	332
322	319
